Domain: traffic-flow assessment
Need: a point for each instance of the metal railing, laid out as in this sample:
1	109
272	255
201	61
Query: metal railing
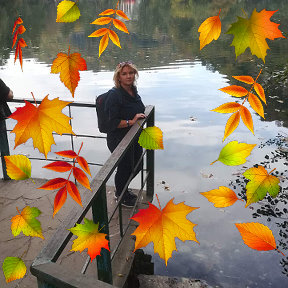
52	275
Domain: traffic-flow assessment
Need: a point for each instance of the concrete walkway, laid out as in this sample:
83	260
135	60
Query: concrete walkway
25	193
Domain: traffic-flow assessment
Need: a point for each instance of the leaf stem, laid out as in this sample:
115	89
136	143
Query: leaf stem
34	98
272	170
158	202
80	148
23	254
101	228
69	50
244	12
18	210
33	181
116	5
280	252
219	12
213	162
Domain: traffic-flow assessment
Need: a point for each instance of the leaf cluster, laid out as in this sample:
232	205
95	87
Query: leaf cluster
21	42
239	110
66	185
107	32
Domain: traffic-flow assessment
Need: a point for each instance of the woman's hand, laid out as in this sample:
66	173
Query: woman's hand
138	116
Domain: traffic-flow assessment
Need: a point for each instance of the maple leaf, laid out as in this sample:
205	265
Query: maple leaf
235	153
235	90
253	32
260	183
67	11
69	65
151	138
17	21
256	105
90	238
18	167
27	223
13	268
221	197
209	30
162	226
231	124
257	236
39	122
59	166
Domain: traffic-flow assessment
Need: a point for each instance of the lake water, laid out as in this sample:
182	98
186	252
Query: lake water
182	82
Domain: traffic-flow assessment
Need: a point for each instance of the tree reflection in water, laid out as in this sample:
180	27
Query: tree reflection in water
273	209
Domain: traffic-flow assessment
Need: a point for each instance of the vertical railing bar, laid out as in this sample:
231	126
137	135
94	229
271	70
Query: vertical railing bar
4	147
120	219
85	266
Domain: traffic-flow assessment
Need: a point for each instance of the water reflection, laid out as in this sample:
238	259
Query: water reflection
182	82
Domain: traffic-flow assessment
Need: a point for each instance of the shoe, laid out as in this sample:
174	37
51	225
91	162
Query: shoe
129	201
130	193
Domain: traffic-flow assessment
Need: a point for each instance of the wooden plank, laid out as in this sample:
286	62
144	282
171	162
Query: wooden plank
54	275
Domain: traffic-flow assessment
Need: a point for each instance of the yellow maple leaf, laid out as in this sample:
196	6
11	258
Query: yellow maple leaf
27	223
18	167
209	30
39	122
69	65
67	11
162	226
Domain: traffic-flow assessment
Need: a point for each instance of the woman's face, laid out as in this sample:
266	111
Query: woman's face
127	76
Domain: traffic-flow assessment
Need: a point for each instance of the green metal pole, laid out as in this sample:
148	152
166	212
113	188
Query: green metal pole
150	161
100	215
4	147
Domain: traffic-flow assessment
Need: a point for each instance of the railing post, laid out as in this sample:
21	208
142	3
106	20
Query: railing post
100	214
4	147
42	284
150	160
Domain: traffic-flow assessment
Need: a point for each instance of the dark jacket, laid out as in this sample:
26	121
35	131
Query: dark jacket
4	108
120	105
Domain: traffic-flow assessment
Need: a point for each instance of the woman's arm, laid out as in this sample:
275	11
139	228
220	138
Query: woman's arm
128	123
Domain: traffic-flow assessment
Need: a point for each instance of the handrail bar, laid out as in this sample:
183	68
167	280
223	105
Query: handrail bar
53	249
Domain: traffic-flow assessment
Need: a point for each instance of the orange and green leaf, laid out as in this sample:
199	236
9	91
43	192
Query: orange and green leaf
18	167
221	197
253	32
257	236
231	124
67	11
69	65
151	138
234	90
40	122
260	183
89	237
13	268
27	223
162	226
209	30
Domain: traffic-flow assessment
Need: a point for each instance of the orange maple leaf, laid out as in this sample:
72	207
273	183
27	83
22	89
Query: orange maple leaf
39	122
209	30
257	236
253	33
162	226
69	65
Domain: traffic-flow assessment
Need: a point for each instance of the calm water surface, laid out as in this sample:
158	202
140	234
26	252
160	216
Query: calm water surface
183	84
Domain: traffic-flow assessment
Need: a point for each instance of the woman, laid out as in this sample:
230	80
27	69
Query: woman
124	107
